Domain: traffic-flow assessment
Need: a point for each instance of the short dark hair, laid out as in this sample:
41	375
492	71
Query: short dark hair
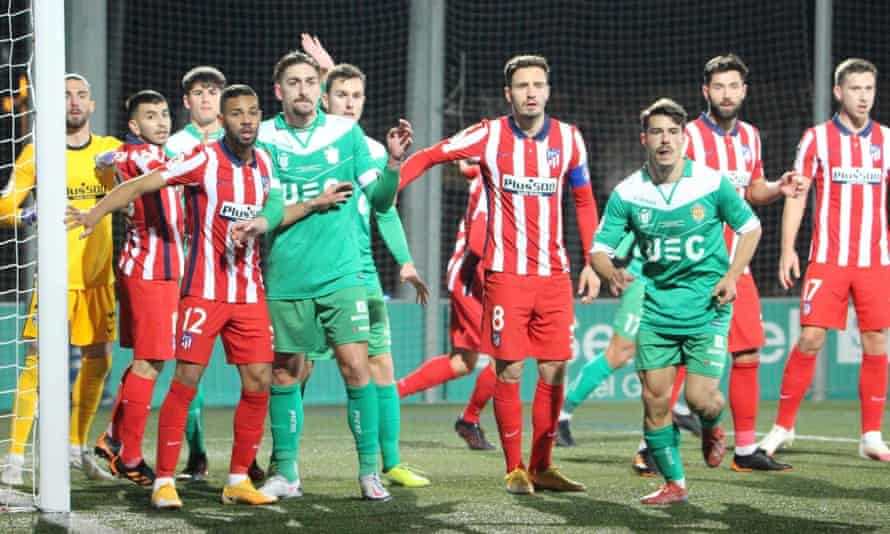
853	65
666	107
145	96
520	62
203	74
344	71
293	58
725	63
234	91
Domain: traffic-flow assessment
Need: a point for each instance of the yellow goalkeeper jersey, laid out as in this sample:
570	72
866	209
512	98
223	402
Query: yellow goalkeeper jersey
90	259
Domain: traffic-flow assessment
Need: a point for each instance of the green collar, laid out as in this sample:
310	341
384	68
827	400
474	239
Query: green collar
687	172
193	131
281	123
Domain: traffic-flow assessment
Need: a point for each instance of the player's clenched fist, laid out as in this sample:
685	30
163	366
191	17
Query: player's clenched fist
398	140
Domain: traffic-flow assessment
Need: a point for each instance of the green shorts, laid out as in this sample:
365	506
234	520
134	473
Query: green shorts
703	354
379	341
630	310
300	326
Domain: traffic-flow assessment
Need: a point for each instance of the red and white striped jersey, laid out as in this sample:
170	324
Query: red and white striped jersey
221	190
524	179
735	153
470	239
153	246
850	172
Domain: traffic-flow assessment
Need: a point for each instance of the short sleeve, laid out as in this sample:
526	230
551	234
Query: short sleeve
613	225
186	169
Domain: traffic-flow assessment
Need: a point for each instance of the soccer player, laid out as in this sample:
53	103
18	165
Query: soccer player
465	277
91	306
312	152
676	208
150	266
222	292
526	159
723	142
848	159
201	88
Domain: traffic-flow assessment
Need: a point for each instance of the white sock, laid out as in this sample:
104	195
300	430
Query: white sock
680	482
564	416
745	450
873	438
76	450
642	445
235	479
160	481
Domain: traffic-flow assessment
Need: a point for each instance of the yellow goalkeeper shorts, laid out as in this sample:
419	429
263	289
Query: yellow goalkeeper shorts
91	316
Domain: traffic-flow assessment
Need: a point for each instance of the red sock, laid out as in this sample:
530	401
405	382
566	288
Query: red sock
872	390
508	414
678	384
796	379
250	415
433	372
114	418
135	395
744	393
482	392
171	426
545	417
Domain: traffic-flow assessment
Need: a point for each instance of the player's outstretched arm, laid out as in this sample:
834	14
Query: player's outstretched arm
792	184
789	263
119	198
467	144
725	290
332	198
383	191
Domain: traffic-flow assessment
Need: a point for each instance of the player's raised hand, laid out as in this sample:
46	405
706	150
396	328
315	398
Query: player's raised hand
588	285
724	291
398	140
333	196
789	269
408	273
619	281
244	231
75	218
312	46
793	184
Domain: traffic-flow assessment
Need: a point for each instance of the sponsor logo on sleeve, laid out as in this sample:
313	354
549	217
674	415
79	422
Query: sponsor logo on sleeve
738	178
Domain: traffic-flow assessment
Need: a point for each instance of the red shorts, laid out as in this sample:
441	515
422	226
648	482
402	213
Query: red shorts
245	329
826	294
148	317
746	327
527	316
466	314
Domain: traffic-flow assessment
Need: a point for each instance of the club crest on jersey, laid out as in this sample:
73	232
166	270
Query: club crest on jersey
553	157
496	339
746	153
331	155
698	212
186	341
875	152
645	216
283	159
266	183
235	211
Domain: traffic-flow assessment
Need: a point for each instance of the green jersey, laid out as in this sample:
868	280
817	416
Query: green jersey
679	227
320	253
388	223
185	140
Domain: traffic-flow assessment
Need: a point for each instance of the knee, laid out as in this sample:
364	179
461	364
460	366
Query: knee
510	372
874	342
708	401
381	369
618	354
811	340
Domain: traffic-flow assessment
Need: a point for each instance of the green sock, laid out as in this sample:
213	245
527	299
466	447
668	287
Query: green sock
664	443
362	414
390	424
591	376
194	428
708	423
286	416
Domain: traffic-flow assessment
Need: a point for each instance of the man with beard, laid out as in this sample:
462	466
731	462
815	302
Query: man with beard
222	292
724	143
91	306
